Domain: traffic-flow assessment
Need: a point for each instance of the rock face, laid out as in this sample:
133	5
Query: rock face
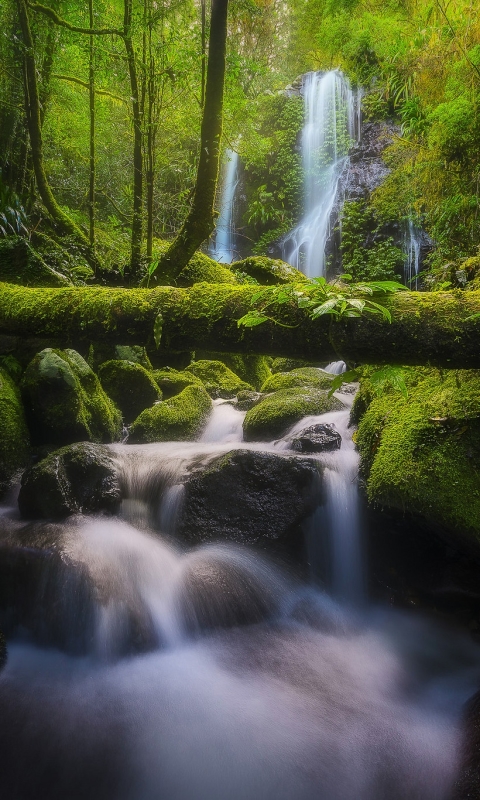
249	497
80	478
20	263
277	412
130	386
14	439
180	417
317	439
219	380
366	168
64	401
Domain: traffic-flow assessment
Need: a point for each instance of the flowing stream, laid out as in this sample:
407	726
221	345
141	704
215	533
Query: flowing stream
332	122
212	672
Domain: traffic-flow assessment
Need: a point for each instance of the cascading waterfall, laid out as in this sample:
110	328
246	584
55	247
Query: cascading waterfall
332	122
223	245
412	248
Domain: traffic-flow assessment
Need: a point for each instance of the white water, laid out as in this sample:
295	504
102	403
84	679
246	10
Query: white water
225	423
253	684
223	246
412	248
331	118
336	367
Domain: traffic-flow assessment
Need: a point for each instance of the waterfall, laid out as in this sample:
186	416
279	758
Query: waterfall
223	246
332	122
411	249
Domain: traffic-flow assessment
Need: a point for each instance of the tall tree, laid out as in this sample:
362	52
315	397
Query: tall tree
200	220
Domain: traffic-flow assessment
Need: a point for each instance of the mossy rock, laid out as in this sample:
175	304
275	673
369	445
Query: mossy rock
287	364
274	415
421	453
64	401
77	479
173	381
15	440
252	369
104	351
305	376
203	269
131	387
268	271
20	263
180	417
65	256
218	379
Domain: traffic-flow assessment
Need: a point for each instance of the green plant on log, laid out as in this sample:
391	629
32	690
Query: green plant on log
320	298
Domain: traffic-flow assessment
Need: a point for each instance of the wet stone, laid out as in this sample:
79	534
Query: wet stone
317	439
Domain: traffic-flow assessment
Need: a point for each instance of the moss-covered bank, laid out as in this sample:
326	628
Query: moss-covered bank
421	453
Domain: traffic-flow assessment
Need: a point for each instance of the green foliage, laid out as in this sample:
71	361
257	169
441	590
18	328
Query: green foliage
367	253
13	217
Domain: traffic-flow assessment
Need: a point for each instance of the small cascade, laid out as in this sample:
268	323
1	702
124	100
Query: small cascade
225	423
332	123
411	248
336	368
223	245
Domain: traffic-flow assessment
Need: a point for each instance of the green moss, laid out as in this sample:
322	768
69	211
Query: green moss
130	386
14	441
218	379
203	269
64	256
20	263
422	453
305	376
268	271
287	364
65	402
180	417
172	381
250	368
274	415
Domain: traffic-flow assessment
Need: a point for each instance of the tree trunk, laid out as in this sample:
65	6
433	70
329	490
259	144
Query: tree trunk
33	113
137	218
91	105
200	220
426	328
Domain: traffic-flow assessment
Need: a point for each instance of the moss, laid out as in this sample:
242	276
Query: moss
172	381
268	271
20	263
99	352
131	387
203	269
274	415
180	417
305	376
64	256
252	369
422	453
14	441
287	364
218	379
65	402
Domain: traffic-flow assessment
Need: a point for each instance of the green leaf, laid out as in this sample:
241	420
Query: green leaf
251	319
157	329
346	377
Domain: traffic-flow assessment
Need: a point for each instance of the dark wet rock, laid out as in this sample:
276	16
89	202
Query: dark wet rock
64	401
317	439
14	439
246	399
131	387
366	168
80	478
467	786
249	497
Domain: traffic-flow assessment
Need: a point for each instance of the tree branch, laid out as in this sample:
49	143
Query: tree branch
63	23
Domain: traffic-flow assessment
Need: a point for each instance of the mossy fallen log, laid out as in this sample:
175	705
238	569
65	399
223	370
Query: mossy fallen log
438	328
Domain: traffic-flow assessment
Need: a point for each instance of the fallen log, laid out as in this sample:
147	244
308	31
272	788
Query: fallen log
426	328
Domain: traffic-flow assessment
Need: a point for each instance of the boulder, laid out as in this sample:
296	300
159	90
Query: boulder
64	401
203	269
247	399
249	497
180	417
276	413
319	438
14	439
219	380
172	381
268	271
305	376
250	368
105	351
77	479
287	364
130	386
20	263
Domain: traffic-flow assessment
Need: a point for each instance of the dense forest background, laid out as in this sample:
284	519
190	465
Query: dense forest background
128	100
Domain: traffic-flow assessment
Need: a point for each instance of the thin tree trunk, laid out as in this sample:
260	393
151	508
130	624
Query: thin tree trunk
91	92
32	108
137	217
200	219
